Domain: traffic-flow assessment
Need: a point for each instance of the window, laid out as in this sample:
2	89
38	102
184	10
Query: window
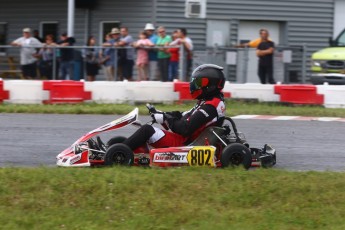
106	27
3	35
50	27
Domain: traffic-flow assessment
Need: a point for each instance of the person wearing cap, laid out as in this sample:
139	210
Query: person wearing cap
28	53
153	60
110	54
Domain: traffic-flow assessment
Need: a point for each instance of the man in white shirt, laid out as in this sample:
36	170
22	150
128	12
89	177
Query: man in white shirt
28	53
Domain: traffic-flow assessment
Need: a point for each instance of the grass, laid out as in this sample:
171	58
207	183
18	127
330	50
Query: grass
180	198
234	107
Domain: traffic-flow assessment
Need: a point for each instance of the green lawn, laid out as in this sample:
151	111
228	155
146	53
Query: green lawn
234	107
179	198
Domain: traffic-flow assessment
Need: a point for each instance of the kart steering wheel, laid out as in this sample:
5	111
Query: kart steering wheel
152	110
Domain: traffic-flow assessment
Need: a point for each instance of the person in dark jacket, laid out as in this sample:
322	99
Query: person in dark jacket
265	52
206	84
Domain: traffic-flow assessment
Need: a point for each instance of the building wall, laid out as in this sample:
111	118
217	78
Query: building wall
307	22
19	14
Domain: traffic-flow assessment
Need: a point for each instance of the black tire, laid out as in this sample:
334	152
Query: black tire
115	140
119	154
236	154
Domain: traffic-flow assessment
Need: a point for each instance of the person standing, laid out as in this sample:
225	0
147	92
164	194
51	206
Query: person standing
174	59
188	49
126	54
66	56
28	53
142	56
153	61
163	53
106	57
47	55
91	54
265	52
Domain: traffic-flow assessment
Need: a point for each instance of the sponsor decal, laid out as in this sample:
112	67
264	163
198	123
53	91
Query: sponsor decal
170	157
75	159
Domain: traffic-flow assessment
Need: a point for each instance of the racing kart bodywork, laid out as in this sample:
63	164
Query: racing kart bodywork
215	147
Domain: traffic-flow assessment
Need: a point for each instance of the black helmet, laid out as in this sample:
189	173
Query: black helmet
207	80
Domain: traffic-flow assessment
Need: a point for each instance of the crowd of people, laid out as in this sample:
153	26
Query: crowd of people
154	53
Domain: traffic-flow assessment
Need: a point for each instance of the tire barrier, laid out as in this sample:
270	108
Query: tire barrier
257	91
65	92
334	95
299	94
38	92
4	94
182	88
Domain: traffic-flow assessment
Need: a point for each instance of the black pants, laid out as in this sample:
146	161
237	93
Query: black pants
163	64
126	66
266	73
29	70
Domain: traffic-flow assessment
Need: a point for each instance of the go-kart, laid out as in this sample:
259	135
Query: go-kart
215	147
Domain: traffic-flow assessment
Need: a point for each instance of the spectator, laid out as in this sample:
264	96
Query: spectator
163	53
28	54
142	56
36	35
66	56
47	55
188	48
265	52
253	43
91	54
126	56
107	58
153	66
113	53
174	59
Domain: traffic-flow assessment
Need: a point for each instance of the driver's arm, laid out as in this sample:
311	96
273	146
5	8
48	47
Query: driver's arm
186	127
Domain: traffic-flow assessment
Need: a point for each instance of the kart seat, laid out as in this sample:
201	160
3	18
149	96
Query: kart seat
208	136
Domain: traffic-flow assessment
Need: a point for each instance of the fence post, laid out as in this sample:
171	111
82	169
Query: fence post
304	62
54	63
182	64
245	65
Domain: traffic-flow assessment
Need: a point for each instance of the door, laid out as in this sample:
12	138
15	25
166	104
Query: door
218	33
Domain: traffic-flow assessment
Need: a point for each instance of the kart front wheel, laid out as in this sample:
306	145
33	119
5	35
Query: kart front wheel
119	154
236	154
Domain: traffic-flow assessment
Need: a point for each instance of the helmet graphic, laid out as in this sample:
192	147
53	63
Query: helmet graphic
207	80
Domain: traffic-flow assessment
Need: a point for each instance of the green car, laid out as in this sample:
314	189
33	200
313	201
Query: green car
328	65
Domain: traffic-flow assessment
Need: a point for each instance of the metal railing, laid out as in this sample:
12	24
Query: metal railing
240	64
10	60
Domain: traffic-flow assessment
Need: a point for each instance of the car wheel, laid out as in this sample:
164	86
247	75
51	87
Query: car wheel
236	154
115	140
119	154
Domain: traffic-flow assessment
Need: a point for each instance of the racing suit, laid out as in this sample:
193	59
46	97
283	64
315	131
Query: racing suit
185	126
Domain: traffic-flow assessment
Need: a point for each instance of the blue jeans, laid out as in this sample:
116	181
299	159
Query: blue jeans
173	70
66	70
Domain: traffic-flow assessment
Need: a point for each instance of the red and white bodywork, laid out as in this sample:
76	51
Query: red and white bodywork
78	153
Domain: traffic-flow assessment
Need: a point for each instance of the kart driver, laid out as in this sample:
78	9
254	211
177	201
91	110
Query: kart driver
206	84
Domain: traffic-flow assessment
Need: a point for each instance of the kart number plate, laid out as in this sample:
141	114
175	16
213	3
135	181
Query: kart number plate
201	156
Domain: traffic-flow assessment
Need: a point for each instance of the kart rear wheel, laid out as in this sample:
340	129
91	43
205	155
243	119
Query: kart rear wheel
236	154
115	140
119	154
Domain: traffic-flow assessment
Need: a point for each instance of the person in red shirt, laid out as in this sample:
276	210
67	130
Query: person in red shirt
174	59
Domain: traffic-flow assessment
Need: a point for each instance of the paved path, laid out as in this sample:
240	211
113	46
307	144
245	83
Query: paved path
31	140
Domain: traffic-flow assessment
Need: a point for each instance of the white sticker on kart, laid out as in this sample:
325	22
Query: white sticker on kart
171	157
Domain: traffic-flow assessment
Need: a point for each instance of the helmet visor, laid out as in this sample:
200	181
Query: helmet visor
197	83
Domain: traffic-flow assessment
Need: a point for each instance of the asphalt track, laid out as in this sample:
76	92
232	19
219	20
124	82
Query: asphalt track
31	140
